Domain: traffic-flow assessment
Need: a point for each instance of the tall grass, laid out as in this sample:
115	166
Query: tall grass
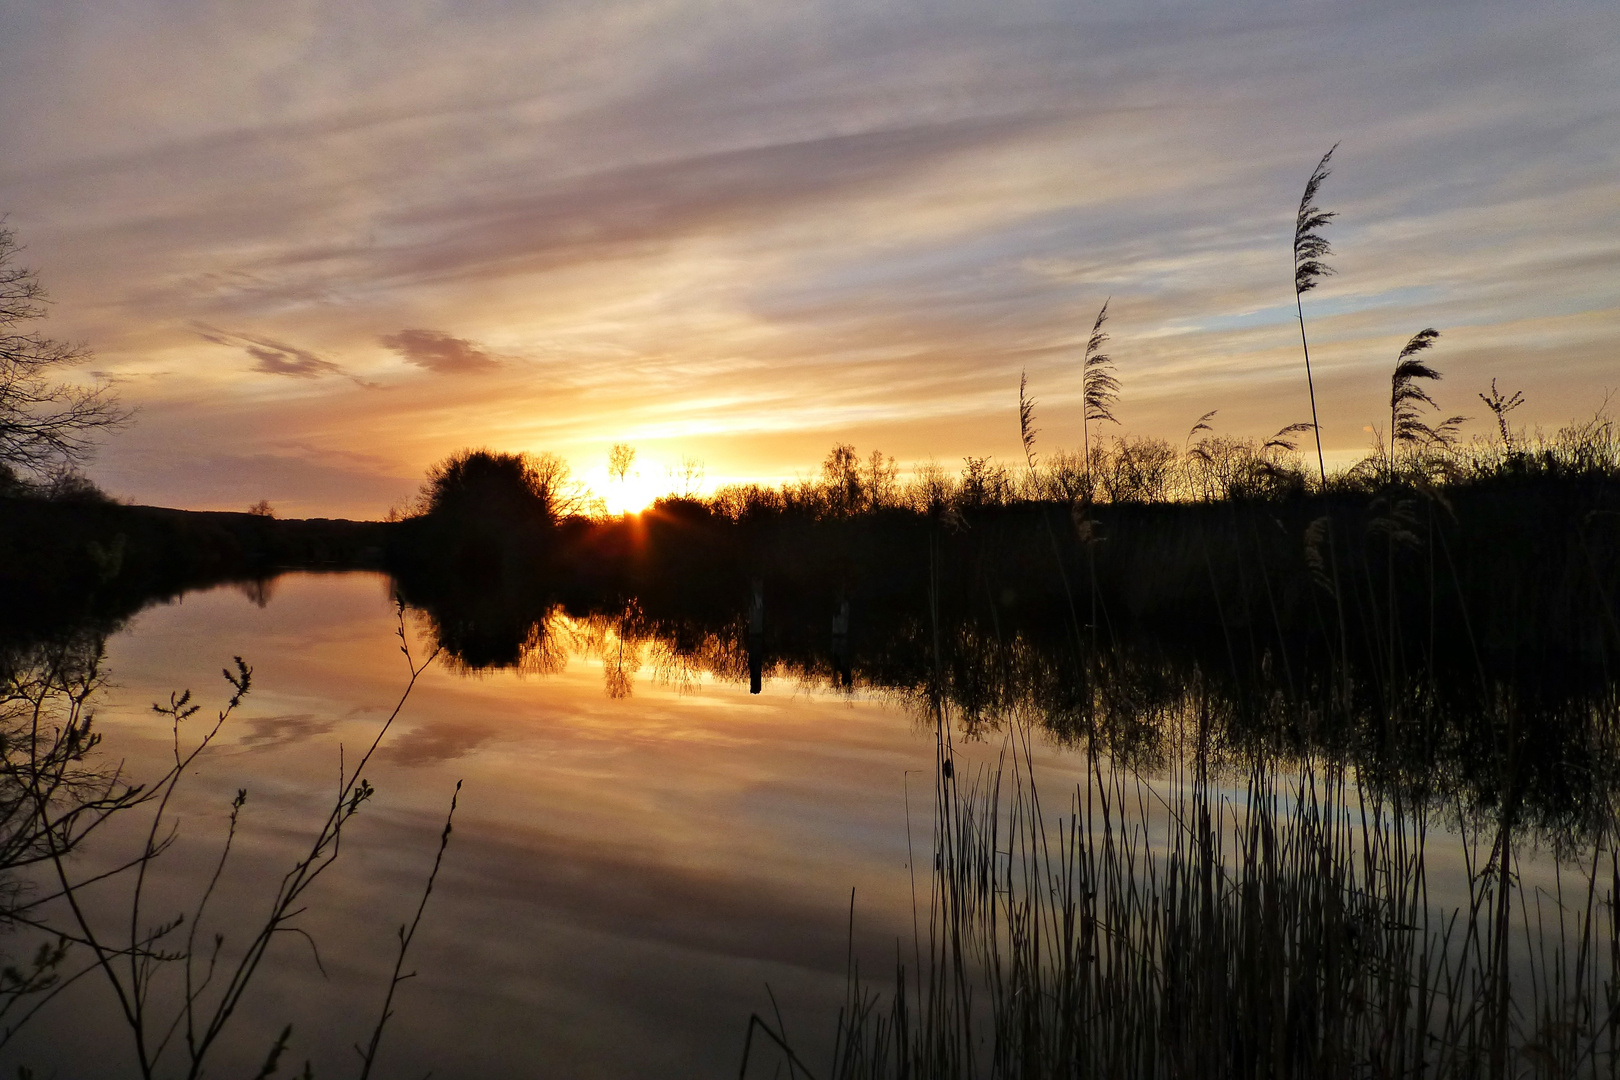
1310	248
1099	388
1276	922
1211	467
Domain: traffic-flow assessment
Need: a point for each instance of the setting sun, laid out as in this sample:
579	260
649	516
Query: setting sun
631	495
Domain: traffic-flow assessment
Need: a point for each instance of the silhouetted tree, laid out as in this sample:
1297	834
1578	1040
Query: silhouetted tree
45	424
842	472
882	480
512	489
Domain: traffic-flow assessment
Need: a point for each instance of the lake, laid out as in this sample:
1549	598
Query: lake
625	877
644	852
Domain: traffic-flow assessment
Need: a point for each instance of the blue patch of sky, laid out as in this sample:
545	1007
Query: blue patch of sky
1323	307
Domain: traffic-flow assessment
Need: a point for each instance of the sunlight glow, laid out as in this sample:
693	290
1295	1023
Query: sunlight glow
631	495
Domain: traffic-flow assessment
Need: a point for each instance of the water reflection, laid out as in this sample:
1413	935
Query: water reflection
644	842
1329	935
639	865
1541	738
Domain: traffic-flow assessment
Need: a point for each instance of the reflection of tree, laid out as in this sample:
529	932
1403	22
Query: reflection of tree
259	591
681	653
1135	700
682	661
51	793
617	644
491	637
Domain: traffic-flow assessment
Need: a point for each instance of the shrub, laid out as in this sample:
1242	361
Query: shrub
510	488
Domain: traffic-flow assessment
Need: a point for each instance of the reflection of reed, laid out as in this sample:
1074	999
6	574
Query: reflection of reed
1179	926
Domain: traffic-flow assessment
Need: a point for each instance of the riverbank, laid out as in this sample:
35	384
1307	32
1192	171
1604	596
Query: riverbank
65	561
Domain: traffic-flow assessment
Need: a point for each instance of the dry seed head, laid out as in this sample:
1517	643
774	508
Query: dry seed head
1100	387
1310	246
1026	418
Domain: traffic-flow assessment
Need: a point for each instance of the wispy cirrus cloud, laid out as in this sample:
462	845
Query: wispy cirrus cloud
273	357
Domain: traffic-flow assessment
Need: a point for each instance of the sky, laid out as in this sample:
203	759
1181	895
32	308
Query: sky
319	246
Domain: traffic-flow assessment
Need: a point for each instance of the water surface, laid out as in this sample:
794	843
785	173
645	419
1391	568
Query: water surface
626	874
642	846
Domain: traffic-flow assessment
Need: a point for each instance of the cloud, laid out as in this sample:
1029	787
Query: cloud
760	227
438	351
279	358
274	357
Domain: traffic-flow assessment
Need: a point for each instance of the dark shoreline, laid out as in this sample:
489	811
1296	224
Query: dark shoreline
1429	636
66	562
1509	574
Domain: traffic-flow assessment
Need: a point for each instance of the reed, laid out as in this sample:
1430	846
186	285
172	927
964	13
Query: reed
1310	248
1195	923
1099	388
1407	400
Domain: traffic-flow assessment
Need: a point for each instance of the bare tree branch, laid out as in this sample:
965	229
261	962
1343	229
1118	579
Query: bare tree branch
44	423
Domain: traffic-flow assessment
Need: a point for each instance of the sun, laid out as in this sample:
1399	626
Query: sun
631	495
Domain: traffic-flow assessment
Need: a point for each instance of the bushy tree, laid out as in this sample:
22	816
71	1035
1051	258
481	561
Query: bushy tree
509	488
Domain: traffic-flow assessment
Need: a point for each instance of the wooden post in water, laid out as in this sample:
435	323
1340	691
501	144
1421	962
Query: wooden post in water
842	673
756	636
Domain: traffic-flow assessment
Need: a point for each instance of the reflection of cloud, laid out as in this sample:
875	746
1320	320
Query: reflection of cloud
614	888
278	730
428	744
438	351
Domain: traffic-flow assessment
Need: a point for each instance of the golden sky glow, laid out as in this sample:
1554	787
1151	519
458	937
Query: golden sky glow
321	246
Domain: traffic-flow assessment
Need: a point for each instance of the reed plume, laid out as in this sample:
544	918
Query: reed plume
1101	388
1026	420
1310	248
1407	398
1203	424
1284	439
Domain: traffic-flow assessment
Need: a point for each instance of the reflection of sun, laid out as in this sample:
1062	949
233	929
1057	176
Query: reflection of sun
632	495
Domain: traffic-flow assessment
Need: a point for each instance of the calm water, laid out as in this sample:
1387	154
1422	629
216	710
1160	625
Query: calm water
626	876
641	847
